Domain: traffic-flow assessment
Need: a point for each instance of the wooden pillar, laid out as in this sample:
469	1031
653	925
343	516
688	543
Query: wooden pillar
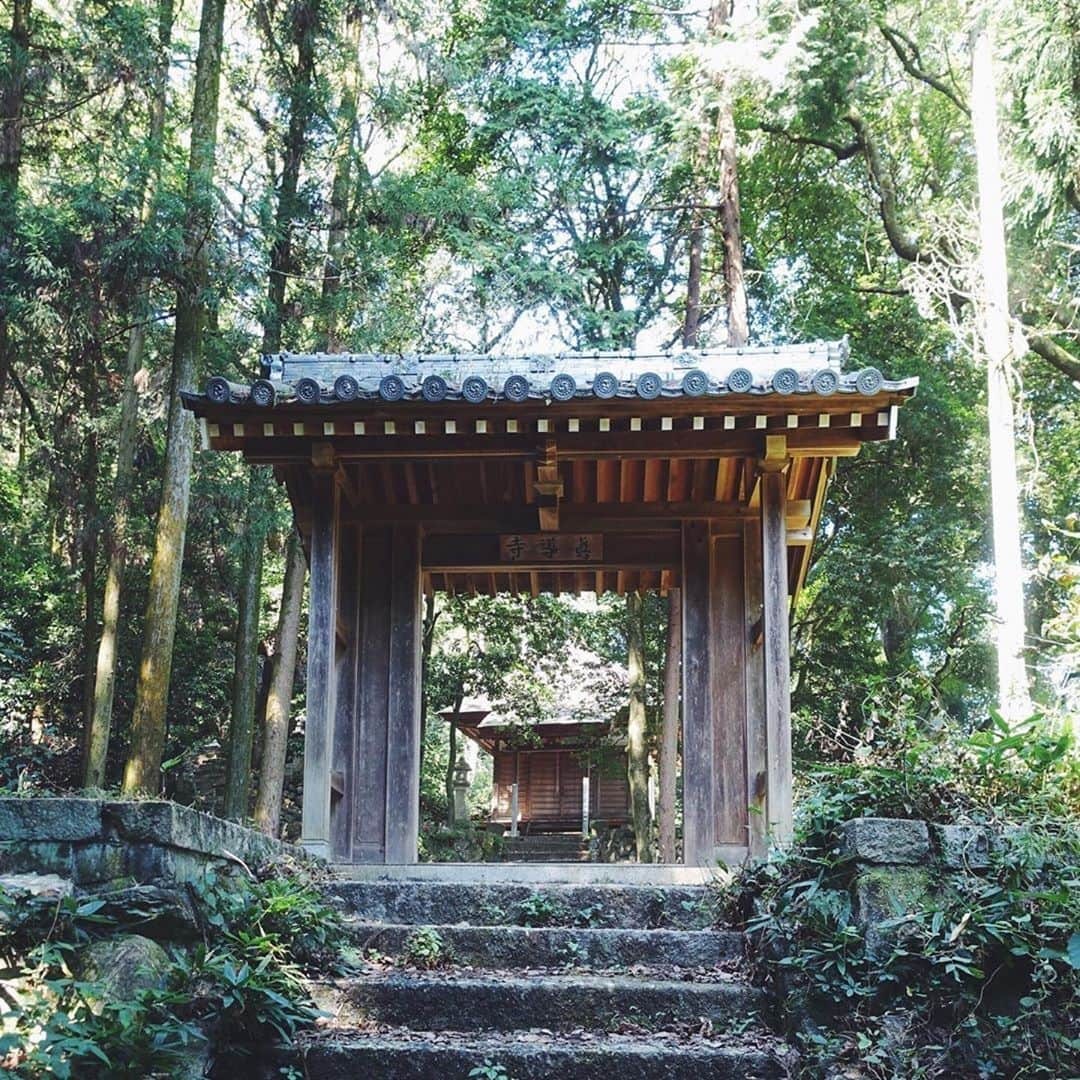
776	648
728	663
321	675
385	798
756	735
403	700
698	780
342	774
714	695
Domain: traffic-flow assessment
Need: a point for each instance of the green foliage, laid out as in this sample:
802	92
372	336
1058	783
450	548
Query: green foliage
424	948
978	977
912	761
489	1070
458	843
239	993
540	910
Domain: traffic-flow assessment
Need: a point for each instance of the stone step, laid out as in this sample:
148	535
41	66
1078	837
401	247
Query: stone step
547	838
443	902
452	1001
546	856
545	843
334	1055
512	947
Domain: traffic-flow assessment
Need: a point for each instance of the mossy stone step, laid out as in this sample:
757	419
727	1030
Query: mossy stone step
557	1002
491	904
331	1055
514	947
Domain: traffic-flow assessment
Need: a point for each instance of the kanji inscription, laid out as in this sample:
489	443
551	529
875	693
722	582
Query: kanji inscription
551	547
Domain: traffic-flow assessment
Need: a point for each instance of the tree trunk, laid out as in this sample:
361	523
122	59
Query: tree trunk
246	658
637	749
427	641
88	546
341	187
105	670
148	731
738	331
448	779
279	699
692	315
1013	699
12	100
669	742
305	23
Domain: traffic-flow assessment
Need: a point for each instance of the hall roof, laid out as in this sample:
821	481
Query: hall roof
326	379
620	443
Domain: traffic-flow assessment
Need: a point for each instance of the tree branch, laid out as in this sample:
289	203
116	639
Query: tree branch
1054	354
908	54
905	246
35	420
841	151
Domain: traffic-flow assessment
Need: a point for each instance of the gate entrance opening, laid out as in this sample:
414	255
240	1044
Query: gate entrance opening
573	473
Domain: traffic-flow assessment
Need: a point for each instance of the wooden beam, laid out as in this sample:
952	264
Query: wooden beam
548	486
468	553
674	445
573	517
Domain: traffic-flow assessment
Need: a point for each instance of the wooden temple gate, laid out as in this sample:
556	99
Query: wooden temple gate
610	472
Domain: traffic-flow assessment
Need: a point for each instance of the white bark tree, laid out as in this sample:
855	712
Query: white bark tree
994	330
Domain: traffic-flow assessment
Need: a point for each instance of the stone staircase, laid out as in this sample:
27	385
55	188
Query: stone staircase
546	848
626	981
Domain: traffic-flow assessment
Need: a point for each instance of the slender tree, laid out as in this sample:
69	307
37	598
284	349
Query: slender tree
637	747
148	730
341	188
104	683
246	663
994	328
303	25
13	84
715	163
279	699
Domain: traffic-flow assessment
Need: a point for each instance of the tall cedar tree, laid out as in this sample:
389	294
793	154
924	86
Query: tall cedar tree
1013	698
104	681
142	773
13	86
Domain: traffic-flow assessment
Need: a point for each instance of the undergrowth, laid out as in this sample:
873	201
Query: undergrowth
234	996
980	977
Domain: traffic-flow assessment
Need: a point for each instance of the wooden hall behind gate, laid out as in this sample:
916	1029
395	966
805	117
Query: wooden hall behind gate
702	470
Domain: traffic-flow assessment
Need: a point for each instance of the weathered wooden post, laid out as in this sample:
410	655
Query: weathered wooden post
322	631
775	637
514	812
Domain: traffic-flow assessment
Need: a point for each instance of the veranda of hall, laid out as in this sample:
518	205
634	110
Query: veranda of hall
703	471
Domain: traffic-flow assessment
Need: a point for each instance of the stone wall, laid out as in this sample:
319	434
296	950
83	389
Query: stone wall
97	842
899	865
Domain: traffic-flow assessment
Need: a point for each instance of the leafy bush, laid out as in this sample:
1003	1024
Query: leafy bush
425	948
239	993
982	977
540	910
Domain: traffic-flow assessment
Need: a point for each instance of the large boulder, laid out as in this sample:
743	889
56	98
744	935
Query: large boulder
123	966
